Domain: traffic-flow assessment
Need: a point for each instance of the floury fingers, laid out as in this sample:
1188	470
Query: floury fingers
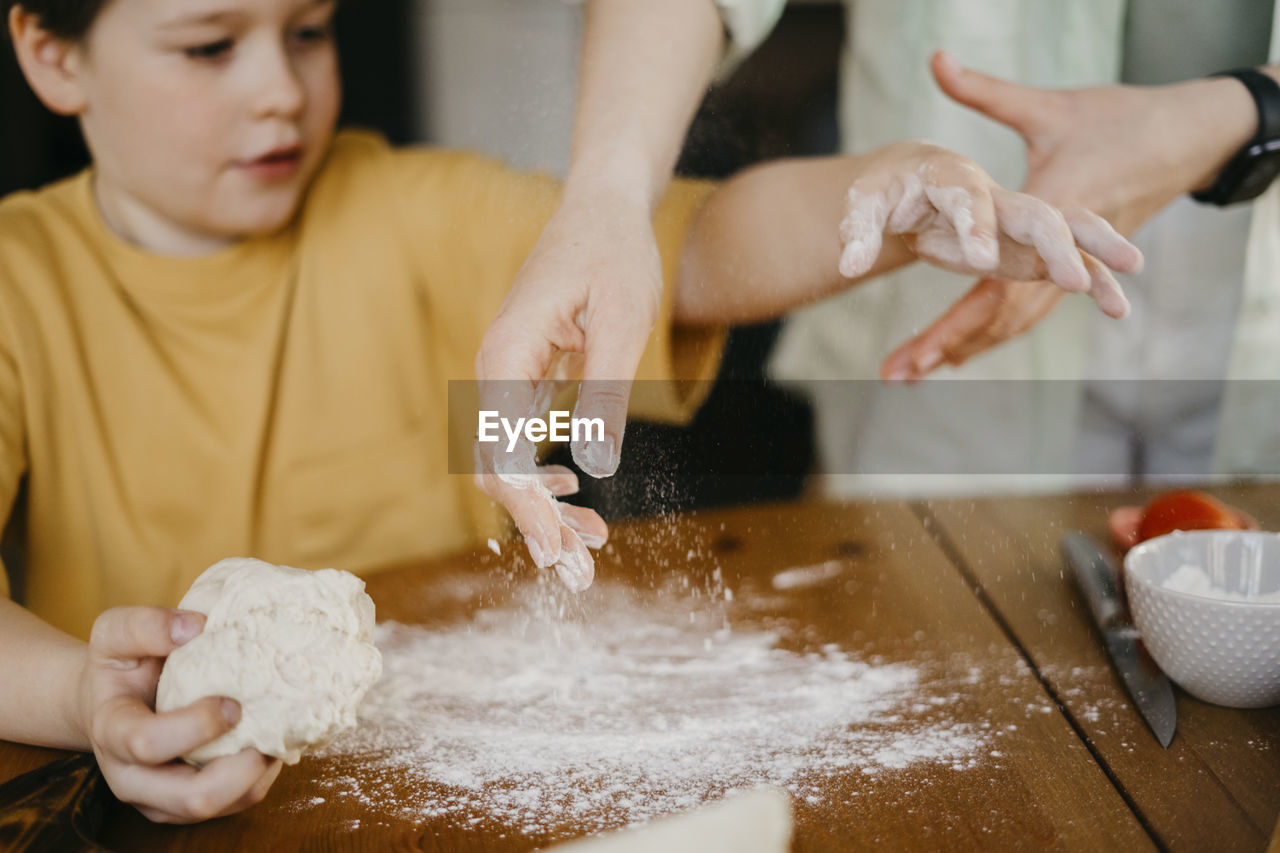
948	212
575	568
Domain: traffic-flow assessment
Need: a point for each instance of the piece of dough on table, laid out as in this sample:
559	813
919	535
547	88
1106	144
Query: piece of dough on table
756	821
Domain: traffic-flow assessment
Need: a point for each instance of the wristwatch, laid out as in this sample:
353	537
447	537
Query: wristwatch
1252	169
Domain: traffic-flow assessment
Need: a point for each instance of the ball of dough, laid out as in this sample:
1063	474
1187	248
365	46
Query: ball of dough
293	647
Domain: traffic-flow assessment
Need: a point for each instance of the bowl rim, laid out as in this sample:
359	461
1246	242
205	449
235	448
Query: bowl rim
1154	542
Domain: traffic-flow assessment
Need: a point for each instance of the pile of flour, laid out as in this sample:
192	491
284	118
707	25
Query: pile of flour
544	713
1196	581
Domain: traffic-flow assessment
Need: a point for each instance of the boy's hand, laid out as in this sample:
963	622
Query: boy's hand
139	750
953	215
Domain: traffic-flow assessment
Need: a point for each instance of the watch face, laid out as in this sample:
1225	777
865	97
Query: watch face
1254	171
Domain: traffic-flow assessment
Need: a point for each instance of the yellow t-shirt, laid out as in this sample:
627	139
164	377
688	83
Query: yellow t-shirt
285	398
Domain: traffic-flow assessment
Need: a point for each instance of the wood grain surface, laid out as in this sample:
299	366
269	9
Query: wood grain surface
972	594
1223	763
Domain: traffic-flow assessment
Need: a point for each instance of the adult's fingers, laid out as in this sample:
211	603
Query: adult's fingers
616	338
926	351
1020	305
1123	522
511	361
532	508
559	480
992	312
1023	108
1096	236
123	635
509	364
128	731
1032	222
576	567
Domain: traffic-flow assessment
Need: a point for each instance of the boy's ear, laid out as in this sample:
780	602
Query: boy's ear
50	64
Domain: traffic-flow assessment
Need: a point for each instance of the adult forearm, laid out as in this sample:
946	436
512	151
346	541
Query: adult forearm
768	241
645	65
40	667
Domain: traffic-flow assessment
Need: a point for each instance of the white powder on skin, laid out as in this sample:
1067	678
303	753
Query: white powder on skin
1195	581
553	723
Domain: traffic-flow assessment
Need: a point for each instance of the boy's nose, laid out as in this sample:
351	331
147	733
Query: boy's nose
280	90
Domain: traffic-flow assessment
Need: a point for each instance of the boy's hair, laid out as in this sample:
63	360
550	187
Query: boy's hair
67	19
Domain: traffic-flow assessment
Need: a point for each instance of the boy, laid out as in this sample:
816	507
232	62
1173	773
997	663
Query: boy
233	335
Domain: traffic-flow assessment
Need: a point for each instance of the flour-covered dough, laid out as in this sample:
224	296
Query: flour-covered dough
293	647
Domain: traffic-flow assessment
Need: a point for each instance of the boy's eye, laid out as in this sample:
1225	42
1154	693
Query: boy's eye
309	35
212	50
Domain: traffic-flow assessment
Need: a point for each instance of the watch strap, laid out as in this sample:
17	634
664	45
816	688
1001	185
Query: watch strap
1251	169
1266	98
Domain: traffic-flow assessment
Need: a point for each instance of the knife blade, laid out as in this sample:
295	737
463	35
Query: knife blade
1099	580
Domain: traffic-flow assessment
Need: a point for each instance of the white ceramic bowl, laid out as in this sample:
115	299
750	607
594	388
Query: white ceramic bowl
1220	650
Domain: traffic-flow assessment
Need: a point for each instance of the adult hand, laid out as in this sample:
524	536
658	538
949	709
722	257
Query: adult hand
139	750
592	286
953	215
1122	151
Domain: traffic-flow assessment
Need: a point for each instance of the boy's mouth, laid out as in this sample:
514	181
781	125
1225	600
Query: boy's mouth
276	164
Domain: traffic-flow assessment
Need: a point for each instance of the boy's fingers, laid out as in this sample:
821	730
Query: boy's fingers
964	200
125	634
861	231
1105	290
1022	108
131	733
1032	222
587	523
187	795
258	792
1096	236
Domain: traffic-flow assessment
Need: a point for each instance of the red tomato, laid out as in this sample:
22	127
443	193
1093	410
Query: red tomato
1188	509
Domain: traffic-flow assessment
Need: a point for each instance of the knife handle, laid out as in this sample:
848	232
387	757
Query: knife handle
1097	576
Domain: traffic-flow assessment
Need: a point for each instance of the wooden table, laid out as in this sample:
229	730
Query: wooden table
941	580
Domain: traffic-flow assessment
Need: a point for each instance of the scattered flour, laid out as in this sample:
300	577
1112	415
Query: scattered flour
806	576
642	706
1195	581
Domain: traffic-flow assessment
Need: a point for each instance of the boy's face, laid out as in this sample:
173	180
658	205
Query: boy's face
207	118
